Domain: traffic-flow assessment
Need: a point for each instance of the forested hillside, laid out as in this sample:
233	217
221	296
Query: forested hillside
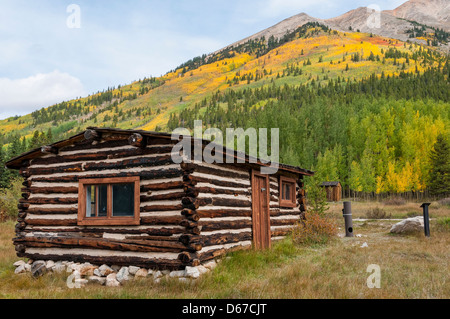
355	107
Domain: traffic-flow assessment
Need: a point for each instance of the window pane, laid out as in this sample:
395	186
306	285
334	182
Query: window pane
123	200
102	200
287	191
90	201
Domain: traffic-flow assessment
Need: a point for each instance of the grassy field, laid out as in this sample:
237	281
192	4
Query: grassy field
411	267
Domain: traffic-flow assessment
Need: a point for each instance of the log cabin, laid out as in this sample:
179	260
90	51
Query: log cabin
333	190
110	196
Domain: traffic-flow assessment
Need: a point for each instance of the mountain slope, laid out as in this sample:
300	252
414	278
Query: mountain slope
435	13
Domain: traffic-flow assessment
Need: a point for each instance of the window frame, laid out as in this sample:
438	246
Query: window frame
292	203
109	220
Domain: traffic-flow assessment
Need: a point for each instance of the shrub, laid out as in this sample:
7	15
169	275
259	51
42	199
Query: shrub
444	201
9	199
395	201
314	229
377	213
443	224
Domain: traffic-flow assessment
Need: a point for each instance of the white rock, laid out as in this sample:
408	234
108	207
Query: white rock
81	281
141	273
202	269
49	265
177	273
115	268
27	267
111	281
157	280
410	225
157	274
192	272
19	263
97	280
165	272
123	275
133	270
105	270
20	269
359	235
210	264
364	245
59	267
150	272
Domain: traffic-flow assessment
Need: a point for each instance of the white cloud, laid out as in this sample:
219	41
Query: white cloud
22	96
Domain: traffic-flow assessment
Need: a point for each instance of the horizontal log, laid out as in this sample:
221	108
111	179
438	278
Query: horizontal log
224	202
187	257
36	210
216	239
224	224
162	186
51	222
199	179
162	220
57	200
100	243
214	213
277	212
149	231
168	196
284	222
217	171
158	208
144	175
138	162
102	155
54	170
212	190
53	190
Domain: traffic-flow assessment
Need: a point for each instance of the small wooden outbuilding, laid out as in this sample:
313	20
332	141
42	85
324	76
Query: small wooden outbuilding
110	196
334	191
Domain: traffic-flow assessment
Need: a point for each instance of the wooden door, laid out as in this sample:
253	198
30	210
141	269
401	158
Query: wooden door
261	212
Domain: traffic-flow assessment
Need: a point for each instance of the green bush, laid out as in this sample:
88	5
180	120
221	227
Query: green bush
9	199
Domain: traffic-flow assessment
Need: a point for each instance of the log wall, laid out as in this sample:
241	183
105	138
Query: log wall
189	213
47	225
222	210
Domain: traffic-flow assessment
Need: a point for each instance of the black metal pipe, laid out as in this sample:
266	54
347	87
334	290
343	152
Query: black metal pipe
426	219
347	212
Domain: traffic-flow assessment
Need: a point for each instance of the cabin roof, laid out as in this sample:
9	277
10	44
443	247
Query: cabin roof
18	162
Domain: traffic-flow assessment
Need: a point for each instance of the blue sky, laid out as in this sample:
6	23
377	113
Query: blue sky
43	61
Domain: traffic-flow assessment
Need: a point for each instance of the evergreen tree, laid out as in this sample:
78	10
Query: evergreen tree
439	183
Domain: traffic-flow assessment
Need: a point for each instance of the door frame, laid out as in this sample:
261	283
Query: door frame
255	206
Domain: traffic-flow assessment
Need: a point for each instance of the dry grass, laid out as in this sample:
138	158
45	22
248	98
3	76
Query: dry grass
411	267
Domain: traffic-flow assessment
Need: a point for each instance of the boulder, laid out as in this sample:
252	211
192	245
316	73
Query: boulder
38	268
20	269
202	269
49	265
87	270
410	225
141	273
133	270
210	265
192	272
97	280
19	263
111	281
59	267
123	275
105	270
177	274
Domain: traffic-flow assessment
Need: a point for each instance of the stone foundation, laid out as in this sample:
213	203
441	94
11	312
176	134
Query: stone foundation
111	276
